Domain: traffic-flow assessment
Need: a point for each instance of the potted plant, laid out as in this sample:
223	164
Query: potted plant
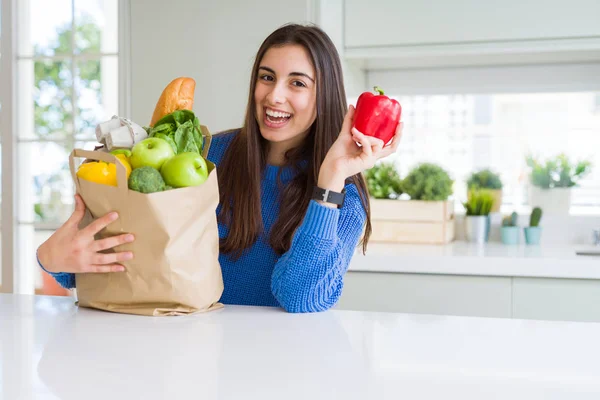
551	182
533	232
428	182
383	181
487	179
477	222
427	217
510	229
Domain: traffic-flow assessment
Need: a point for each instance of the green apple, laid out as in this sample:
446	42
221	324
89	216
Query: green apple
185	169
150	152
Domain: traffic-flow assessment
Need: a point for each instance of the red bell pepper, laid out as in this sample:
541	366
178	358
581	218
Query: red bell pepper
377	115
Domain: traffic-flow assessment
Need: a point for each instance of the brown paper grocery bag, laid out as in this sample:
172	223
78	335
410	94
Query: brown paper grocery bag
175	269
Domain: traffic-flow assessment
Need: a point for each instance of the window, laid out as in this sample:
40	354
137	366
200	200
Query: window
66	81
492	117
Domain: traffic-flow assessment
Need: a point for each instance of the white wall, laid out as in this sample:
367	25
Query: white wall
212	42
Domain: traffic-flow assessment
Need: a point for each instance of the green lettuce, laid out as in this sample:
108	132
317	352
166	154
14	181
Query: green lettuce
181	129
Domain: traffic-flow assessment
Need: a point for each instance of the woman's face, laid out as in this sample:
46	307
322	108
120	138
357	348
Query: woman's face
285	95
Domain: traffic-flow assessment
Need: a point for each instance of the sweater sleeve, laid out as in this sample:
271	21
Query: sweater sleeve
65	279
309	276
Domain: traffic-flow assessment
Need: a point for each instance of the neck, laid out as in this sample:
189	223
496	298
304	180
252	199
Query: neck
276	154
277	150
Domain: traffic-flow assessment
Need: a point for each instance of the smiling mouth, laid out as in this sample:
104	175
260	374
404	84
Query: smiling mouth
276	119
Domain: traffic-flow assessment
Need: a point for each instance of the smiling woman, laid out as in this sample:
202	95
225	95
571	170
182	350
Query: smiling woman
285	242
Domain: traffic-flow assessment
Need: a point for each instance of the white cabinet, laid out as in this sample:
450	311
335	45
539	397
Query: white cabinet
556	299
427	294
380	23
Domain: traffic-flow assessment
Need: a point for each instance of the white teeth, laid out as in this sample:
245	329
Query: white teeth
277	114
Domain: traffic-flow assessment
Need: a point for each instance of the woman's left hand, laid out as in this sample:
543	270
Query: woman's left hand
347	158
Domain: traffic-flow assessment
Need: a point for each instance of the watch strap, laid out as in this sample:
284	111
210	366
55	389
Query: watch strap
329	196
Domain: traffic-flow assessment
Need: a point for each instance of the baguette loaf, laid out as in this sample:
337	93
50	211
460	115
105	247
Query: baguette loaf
178	95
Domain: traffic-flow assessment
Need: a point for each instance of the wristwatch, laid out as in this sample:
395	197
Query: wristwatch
329	196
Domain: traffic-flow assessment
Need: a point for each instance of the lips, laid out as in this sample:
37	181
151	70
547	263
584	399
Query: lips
276	118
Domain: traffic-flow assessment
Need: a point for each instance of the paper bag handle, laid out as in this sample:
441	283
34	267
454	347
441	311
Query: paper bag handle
98	156
207	140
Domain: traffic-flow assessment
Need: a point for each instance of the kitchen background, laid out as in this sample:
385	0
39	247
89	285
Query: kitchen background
483	85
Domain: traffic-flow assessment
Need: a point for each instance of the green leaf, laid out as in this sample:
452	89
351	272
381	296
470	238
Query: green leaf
182	128
556	172
484	179
383	181
166	128
168	139
197	131
428	181
184	138
479	202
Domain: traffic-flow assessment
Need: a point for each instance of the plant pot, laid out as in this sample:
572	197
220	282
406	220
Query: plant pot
555	201
510	234
412	221
477	228
533	234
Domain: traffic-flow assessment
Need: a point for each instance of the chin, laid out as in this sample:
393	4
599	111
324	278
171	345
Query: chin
275	136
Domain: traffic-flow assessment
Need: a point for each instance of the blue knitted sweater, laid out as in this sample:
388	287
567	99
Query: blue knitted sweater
309	276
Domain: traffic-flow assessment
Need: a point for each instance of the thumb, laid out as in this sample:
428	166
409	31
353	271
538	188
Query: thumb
348	120
79	211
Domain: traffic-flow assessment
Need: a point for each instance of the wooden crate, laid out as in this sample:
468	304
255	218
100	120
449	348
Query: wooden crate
412	221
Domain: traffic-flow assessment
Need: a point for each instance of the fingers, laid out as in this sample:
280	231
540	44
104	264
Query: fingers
386	152
397	136
111	258
105	268
367	150
79	211
373	143
348	119
109	243
100	224
393	145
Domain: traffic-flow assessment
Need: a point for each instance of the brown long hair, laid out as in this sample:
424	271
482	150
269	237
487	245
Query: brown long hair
246	157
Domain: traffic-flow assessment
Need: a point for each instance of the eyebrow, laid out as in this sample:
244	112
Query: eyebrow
290	74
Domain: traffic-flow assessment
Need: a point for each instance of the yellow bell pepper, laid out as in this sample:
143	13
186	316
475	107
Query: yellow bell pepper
101	172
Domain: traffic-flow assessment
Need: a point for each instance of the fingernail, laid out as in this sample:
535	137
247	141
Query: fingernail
114	215
129	238
129	256
120	269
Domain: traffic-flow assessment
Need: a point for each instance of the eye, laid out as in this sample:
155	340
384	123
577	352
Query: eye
298	84
266	77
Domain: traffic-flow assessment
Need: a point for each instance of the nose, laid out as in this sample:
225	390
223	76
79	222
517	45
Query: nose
276	95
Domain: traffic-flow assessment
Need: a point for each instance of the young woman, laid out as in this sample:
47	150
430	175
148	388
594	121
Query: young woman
294	203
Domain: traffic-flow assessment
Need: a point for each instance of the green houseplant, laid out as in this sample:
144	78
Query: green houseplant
510	229
533	232
551	182
428	182
383	181
428	217
490	180
477	223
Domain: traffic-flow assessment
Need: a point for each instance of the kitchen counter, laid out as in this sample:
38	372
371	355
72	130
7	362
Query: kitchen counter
51	349
491	259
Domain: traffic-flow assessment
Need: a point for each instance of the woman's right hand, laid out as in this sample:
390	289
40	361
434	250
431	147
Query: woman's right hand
75	250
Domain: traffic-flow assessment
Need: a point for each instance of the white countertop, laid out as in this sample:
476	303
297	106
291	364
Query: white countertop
50	349
491	259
